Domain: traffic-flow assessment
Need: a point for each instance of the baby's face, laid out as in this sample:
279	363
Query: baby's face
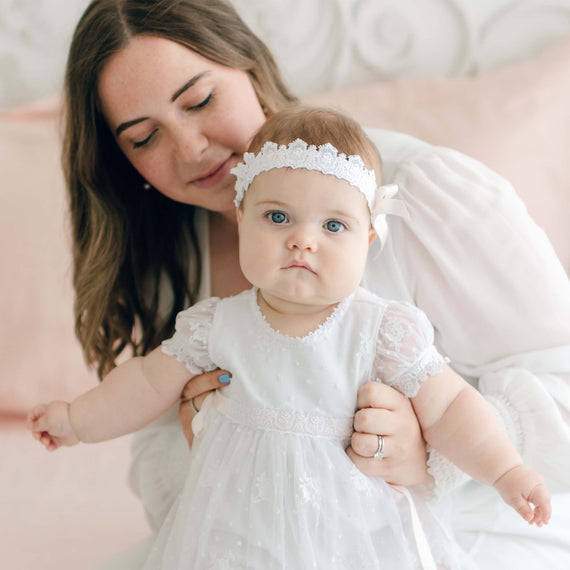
304	236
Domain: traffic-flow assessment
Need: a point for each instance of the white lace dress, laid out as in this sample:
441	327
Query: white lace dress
270	485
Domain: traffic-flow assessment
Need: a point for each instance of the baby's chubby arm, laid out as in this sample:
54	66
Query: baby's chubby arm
129	397
458	422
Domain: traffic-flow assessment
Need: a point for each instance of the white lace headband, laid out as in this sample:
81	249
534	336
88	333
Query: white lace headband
326	159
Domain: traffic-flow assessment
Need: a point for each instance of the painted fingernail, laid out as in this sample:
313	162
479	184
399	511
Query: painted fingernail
224	378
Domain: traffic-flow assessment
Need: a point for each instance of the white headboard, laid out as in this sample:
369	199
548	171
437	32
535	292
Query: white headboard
325	44
319	44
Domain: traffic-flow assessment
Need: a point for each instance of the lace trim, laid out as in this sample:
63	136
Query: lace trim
288	421
509	418
313	336
429	364
298	154
446	475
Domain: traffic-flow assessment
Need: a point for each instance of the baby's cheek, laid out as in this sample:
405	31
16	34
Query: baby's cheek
253	264
350	272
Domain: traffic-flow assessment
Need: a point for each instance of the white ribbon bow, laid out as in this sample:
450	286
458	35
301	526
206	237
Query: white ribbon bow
384	204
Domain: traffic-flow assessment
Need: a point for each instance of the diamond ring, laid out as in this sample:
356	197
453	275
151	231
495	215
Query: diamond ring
380	451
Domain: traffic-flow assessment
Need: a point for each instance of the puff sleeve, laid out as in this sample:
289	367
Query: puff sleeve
405	355
189	344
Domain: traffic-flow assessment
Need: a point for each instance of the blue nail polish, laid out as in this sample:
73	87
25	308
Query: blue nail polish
224	378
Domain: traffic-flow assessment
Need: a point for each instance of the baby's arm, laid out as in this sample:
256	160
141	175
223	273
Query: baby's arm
458	422
130	396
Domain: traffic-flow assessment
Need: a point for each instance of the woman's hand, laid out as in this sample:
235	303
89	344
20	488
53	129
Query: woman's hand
382	410
197	389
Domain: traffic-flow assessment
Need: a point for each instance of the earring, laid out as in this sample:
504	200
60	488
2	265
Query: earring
146	186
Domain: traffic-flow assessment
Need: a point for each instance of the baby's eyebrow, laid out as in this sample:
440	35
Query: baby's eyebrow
271	202
340	213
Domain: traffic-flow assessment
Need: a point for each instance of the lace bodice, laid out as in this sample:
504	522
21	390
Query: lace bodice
399	352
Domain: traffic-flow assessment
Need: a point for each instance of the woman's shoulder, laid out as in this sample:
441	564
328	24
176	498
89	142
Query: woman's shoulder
396	145
396	148
404	155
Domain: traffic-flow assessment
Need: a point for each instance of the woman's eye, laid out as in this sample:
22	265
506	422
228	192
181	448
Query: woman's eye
277	217
203	103
138	144
335	226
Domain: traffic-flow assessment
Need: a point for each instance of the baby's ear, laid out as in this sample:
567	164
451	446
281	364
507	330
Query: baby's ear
371	235
239	214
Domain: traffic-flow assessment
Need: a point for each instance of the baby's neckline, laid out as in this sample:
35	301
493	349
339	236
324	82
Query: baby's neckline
312	335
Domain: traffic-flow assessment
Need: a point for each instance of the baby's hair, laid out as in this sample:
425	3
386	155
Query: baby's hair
319	125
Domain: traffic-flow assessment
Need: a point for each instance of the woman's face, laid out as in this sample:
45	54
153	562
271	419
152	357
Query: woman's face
182	120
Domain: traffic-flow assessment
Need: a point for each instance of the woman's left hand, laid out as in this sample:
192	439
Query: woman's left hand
382	410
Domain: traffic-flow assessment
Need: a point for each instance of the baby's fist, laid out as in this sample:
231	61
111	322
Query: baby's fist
522	488
49	424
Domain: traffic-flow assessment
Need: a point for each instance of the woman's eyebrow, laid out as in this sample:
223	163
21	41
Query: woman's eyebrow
128	124
190	83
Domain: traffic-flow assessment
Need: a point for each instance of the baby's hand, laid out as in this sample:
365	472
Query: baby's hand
50	425
519	487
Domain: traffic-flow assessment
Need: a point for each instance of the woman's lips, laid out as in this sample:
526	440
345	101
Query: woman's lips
215	176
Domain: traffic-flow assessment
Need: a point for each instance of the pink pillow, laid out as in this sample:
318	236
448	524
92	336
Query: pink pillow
515	120
40	358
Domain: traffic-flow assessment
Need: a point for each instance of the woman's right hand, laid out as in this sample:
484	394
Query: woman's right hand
198	388
382	410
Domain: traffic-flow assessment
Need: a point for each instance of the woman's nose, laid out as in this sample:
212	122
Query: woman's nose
302	238
190	145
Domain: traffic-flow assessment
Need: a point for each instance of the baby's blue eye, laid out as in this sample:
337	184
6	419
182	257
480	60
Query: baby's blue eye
335	226
278	217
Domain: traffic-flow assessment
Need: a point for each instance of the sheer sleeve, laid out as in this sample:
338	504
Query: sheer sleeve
190	341
490	282
405	355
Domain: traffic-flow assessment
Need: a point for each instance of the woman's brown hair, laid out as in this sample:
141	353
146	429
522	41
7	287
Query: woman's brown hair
134	251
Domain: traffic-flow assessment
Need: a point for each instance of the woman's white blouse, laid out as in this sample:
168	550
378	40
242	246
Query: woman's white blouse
490	283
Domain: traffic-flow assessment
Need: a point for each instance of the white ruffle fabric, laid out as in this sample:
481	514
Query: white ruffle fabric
490	282
253	520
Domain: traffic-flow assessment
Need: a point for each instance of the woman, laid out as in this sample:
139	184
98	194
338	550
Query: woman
163	97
